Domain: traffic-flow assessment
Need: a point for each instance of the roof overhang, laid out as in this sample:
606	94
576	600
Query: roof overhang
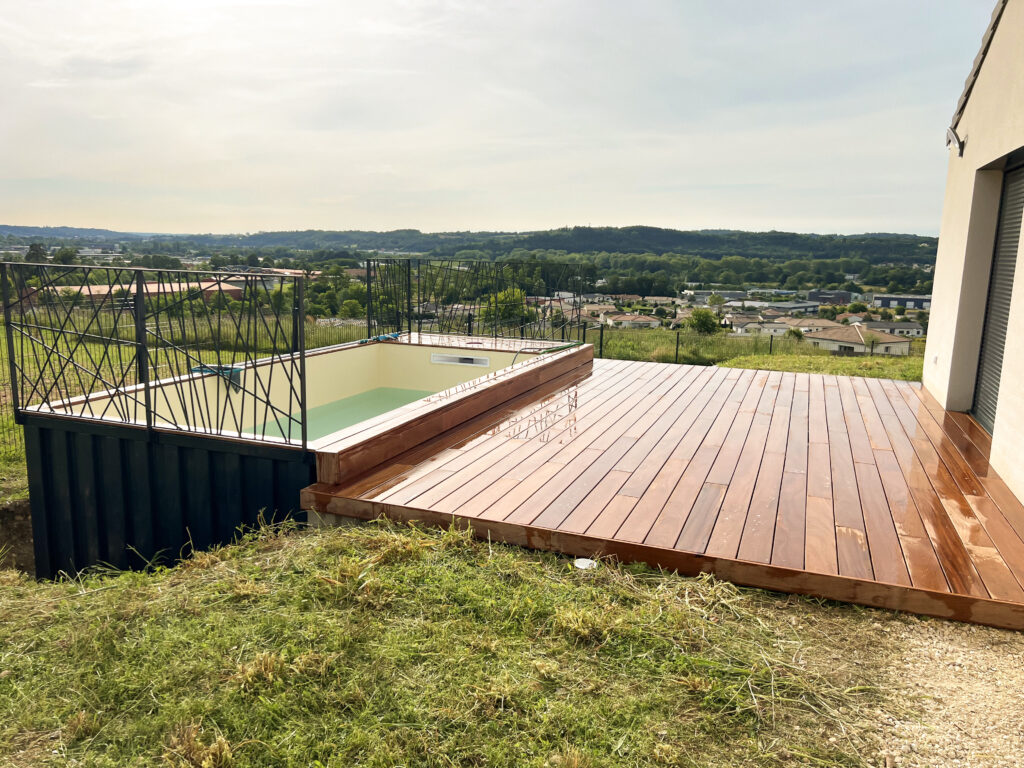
961	105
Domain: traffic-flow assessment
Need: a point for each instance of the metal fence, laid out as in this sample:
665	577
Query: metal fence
189	351
533	300
663	345
143	346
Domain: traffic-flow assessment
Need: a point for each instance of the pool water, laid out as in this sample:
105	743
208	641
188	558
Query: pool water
325	419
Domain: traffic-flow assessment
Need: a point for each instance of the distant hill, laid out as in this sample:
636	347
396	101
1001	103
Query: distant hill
719	243
398	240
80	233
402	240
875	247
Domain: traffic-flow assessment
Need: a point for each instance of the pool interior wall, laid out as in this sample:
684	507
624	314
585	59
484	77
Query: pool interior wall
322	420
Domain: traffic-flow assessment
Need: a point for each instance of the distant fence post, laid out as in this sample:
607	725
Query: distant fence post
678	334
583	333
872	352
12	366
469	323
771	342
141	349
600	340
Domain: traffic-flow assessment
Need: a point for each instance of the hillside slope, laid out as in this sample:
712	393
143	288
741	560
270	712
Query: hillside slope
377	646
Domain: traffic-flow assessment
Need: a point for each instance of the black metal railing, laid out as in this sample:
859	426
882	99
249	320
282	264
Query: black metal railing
524	299
186	351
225	354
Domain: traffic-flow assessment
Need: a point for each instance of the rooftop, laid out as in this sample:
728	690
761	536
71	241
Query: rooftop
805	322
911	324
632	318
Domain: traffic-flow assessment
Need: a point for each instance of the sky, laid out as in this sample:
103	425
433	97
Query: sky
442	115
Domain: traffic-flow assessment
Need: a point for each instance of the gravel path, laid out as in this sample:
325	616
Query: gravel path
967	685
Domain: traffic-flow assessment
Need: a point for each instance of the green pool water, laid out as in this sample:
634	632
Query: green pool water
324	419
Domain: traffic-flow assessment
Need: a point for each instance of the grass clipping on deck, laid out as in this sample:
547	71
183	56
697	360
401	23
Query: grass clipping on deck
376	645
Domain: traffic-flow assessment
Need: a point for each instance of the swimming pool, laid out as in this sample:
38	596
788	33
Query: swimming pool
339	414
108	487
347	389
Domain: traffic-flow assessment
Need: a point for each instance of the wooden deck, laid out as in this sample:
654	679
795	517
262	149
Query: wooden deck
860	490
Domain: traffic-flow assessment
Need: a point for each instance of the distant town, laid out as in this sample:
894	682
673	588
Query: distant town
844	301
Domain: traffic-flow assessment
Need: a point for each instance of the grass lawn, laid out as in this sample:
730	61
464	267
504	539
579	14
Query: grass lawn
907	368
13	478
374	645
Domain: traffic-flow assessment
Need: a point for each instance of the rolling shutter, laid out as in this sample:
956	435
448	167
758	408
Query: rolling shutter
997	309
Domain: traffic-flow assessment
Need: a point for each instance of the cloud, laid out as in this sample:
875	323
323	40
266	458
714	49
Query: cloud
222	115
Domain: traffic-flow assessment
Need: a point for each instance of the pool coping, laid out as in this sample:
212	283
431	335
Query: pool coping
357	449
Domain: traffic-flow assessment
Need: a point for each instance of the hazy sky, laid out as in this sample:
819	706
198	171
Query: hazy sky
215	116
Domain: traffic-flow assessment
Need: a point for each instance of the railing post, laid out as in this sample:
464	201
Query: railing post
12	366
600	340
300	303
369	297
678	333
408	294
419	297
141	347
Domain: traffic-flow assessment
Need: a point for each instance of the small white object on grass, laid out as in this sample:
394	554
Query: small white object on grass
584	563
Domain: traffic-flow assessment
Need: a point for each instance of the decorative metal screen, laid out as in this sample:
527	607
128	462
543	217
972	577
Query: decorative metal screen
186	351
523	299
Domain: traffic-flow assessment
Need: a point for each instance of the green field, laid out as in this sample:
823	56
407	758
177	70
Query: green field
741	351
906	368
659	345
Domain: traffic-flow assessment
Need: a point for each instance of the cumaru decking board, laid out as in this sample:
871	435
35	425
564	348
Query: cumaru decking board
861	490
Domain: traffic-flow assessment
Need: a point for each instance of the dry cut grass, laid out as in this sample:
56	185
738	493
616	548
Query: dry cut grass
375	645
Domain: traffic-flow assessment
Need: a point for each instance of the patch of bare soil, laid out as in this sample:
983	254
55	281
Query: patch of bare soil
966	686
16	536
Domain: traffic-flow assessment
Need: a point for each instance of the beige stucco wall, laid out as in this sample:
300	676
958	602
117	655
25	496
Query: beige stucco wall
993	127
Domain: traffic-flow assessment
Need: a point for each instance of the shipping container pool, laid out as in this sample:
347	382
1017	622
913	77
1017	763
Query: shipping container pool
224	444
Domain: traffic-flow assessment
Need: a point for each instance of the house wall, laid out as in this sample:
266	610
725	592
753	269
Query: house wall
833	345
897	349
764	330
993	127
909	302
893	349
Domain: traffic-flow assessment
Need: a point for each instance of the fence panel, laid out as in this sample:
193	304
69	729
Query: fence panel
189	351
686	346
533	300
